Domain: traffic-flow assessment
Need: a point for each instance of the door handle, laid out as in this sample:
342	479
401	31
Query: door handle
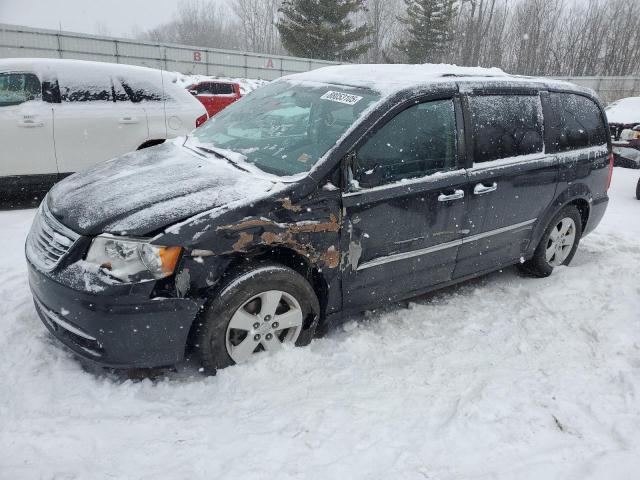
481	189
128	120
30	123
456	195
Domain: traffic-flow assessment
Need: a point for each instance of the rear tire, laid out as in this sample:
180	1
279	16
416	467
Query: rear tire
638	190
257	308
558	245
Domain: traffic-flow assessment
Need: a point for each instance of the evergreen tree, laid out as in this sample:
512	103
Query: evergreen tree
429	25
323	29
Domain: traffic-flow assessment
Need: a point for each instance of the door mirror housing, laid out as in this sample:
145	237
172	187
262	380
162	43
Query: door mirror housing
371	178
193	92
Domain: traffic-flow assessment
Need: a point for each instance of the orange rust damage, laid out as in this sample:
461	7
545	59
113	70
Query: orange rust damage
256	222
331	258
331	226
244	239
286	235
286	203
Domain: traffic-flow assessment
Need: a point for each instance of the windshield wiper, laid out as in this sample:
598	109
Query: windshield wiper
224	154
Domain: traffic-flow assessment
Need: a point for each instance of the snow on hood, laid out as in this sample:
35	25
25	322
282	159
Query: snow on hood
146	190
625	111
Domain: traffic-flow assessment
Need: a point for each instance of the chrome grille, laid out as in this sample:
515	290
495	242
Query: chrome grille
48	241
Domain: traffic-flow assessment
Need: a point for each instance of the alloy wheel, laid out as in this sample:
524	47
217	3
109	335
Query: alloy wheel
264	322
561	241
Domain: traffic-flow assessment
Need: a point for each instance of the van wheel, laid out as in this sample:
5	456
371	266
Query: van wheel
257	309
558	245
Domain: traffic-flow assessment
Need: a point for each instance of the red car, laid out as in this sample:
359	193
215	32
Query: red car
215	95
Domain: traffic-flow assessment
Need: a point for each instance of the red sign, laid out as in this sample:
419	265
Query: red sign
197	56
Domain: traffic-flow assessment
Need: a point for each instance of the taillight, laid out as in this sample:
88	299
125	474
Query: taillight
611	157
201	119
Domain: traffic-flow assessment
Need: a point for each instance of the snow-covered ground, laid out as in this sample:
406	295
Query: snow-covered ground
504	377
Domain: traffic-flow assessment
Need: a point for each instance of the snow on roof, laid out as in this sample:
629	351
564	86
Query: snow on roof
41	64
625	111
390	78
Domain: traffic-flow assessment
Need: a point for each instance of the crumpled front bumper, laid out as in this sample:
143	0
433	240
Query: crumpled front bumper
117	327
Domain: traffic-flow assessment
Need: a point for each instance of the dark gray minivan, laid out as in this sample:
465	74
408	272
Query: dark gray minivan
318	195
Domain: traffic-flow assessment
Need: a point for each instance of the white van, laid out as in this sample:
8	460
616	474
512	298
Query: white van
61	116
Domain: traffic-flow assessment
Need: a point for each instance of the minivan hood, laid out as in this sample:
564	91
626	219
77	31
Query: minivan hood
147	190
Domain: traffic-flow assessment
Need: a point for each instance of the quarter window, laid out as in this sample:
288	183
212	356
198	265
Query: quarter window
17	88
576	123
505	126
419	141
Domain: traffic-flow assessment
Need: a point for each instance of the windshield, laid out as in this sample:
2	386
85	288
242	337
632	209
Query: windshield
284	128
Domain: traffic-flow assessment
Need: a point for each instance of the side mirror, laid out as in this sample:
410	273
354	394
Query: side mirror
370	178
193	92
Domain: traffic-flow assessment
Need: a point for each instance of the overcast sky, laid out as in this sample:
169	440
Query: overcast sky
112	17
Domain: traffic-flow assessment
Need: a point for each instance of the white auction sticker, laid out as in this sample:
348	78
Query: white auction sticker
341	97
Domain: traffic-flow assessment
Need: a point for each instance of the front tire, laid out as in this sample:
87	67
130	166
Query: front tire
558	245
257	309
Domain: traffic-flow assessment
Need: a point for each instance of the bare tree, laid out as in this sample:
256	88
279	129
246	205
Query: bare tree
534	37
258	19
204	23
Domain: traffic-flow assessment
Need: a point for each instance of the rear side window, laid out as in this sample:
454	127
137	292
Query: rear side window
576	123
17	88
419	141
505	126
84	87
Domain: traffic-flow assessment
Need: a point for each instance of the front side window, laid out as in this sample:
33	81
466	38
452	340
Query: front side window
505	126
285	128
577	123
419	141
17	88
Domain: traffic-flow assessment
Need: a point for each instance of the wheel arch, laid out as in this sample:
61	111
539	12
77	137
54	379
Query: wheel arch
282	255
580	200
289	258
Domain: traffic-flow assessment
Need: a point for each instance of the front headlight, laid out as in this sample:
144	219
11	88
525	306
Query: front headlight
130	259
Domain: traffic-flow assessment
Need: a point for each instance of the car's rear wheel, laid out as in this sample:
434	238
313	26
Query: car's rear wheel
558	245
257	310
638	190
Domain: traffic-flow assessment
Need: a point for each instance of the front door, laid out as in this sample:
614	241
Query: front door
26	129
405	207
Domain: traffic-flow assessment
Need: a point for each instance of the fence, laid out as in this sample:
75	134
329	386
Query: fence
18	41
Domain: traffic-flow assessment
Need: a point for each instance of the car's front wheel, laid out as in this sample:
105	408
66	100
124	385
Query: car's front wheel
558	245
257	309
